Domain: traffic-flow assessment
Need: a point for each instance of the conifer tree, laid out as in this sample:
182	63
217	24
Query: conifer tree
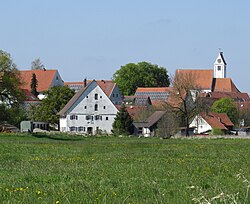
33	85
123	124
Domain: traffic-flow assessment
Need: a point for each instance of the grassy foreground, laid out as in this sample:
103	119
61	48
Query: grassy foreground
74	169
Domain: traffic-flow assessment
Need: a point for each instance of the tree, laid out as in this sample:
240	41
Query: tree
10	94
226	105
123	124
37	64
56	98
142	74
184	98
33	85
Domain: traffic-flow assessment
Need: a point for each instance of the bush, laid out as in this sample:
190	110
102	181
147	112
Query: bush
217	131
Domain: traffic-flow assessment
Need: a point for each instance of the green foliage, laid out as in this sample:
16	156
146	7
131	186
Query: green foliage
123	124
226	105
217	131
10	93
74	169
12	115
142	74
33	85
56	98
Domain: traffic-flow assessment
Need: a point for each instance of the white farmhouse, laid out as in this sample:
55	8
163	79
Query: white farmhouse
92	108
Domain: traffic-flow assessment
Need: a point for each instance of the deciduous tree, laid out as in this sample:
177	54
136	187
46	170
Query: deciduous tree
142	74
37	64
184	98
226	105
56	98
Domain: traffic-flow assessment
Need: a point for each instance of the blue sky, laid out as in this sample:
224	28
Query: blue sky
93	38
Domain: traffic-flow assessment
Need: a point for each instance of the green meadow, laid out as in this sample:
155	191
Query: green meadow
75	169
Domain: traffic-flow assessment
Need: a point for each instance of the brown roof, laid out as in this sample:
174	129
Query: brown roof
234	95
203	78
153	89
106	85
151	120
133	111
29	96
217	120
44	78
224	85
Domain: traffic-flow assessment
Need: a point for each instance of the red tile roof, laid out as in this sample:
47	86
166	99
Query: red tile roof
44	78
203	78
234	95
29	96
106	85
153	89
224	85
217	120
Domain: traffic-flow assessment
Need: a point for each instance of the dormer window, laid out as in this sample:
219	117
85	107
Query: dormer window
96	96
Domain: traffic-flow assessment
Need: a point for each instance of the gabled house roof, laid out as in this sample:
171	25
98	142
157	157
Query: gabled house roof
73	100
155	93
151	120
217	120
203	77
224	85
107	88
106	85
44	78
238	97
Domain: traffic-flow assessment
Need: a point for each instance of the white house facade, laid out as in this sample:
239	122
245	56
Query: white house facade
200	124
92	109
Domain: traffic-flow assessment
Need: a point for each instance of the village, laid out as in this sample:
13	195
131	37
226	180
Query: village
95	105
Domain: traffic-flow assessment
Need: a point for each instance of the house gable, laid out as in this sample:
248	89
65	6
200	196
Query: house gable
89	111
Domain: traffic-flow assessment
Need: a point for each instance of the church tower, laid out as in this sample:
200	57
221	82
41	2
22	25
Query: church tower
220	67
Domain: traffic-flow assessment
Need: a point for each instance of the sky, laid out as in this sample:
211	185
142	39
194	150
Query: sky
94	38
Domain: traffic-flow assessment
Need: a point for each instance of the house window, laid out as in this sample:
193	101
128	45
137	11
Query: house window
80	129
96	96
73	128
104	107
116	95
97	117
87	96
219	68
100	96
96	107
107	118
100	117
85	107
88	117
84	129
73	117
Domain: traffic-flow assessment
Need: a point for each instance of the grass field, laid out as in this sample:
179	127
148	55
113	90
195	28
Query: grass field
75	169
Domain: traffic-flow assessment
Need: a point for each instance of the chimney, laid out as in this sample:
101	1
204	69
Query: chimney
84	82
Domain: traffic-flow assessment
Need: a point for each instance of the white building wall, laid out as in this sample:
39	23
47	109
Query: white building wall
200	124
63	124
86	118
57	81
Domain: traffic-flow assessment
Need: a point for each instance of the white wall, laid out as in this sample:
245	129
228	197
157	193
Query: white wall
85	106
200	124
